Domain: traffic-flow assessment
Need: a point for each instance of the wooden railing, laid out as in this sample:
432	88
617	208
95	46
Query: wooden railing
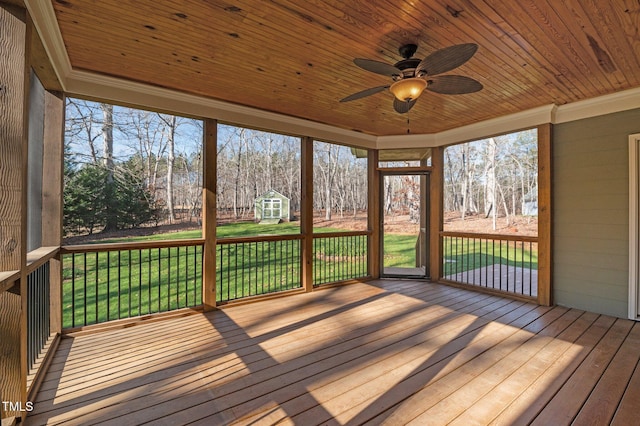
40	334
104	282
339	256
252	266
505	263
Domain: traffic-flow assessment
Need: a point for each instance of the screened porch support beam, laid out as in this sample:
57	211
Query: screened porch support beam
373	214
436	206
209	179
306	213
545	228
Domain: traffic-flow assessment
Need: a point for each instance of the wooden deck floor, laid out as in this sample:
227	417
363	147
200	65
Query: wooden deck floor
387	352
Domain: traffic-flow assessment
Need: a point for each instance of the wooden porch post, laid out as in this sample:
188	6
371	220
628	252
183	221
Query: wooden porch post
306	213
52	175
373	214
209	214
436	180
422	255
545	227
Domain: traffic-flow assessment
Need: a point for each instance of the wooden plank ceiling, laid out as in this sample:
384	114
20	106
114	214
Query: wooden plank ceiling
295	56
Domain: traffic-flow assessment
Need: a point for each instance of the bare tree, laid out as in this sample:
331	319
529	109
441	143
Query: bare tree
170	121
327	156
81	127
508	166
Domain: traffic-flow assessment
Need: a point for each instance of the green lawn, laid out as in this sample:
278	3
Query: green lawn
104	286
399	251
180	235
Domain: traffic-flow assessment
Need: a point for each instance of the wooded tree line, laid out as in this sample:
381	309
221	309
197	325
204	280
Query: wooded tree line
496	177
339	180
252	162
126	167
402	196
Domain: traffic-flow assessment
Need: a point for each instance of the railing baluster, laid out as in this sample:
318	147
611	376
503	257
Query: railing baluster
229	272
501	244
195	275
129	270
139	282
73	290
157	283
485	252
108	285
84	265
522	267
287	245
168	278
178	281
119	282
465	256
255	266
262	263
530	268
457	244
38	312
186	276
97	285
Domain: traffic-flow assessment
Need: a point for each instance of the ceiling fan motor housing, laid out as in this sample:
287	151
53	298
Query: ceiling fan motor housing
408	67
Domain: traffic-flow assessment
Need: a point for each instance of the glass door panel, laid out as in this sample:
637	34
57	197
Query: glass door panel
404	225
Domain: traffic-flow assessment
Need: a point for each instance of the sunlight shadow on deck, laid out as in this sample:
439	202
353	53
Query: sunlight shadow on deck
386	352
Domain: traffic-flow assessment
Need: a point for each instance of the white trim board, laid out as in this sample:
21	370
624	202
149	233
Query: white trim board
82	83
634	226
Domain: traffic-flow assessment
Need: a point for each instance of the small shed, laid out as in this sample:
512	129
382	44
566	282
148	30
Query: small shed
272	207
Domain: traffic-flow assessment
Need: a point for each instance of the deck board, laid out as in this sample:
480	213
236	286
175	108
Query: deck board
386	352
573	394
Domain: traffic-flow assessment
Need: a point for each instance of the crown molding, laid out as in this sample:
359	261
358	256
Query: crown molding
495	126
606	104
86	84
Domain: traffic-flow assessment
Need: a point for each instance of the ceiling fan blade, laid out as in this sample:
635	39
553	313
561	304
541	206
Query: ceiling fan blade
377	67
364	93
403	106
453	84
446	59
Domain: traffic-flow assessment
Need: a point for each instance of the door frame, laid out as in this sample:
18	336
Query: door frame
425	192
634	226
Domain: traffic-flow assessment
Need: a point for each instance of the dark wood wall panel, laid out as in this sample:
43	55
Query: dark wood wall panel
12	92
12	49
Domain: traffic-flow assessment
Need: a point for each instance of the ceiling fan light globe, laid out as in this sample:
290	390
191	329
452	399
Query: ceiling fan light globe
408	89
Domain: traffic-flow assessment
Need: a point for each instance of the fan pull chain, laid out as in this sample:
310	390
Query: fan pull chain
408	126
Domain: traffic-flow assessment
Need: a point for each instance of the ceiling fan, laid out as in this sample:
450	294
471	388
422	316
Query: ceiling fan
412	76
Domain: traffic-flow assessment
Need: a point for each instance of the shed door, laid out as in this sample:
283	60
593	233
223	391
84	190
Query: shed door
271	208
